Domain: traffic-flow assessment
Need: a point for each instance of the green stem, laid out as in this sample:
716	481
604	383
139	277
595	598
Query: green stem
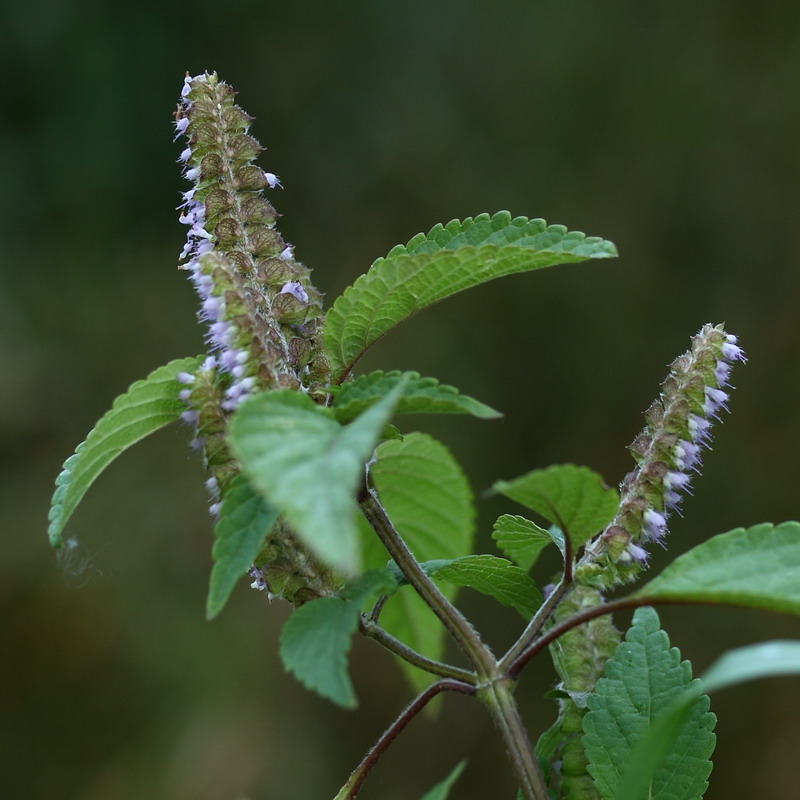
535	625
499	700
453	620
374	631
494	688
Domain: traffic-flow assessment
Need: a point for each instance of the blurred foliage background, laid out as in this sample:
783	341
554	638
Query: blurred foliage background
670	128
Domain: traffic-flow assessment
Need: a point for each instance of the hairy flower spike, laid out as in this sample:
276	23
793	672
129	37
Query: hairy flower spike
667	453
263	315
241	267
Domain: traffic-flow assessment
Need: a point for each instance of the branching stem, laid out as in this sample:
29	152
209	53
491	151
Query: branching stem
624	603
359	774
453	620
372	630
530	633
494	688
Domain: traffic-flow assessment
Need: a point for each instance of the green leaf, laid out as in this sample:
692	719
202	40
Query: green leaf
573	498
446	260
763	660
370	583
315	641
522	540
442	790
309	467
316	638
245	519
755	567
642	681
147	406
430	503
490	575
420	396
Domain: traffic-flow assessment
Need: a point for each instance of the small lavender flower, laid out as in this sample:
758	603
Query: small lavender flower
668	455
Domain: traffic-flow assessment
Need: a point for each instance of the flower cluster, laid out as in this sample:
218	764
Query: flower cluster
668	454
263	315
262	312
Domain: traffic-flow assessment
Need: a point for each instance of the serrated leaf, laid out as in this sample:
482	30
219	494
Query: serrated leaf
764	660
755	567
573	498
522	540
420	396
316	638
315	641
245	518
446	260
147	406
642	681
308	466
492	576
430	503
442	790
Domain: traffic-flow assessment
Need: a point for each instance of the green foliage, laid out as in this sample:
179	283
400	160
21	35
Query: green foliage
148	405
245	519
573	498
430	503
490	575
522	540
755	567
446	260
420	396
442	790
308	467
764	660
316	639
642	681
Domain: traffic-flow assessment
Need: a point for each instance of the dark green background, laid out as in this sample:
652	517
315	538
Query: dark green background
672	128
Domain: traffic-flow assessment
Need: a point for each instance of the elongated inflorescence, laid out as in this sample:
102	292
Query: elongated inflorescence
668	455
263	316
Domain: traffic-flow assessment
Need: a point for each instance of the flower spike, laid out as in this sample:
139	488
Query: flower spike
667	452
263	315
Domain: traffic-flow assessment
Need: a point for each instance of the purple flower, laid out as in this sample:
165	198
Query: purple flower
296	290
637	553
655	525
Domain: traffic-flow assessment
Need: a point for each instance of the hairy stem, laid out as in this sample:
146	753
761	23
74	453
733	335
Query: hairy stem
561	628
453	620
499	700
359	774
495	689
535	625
374	631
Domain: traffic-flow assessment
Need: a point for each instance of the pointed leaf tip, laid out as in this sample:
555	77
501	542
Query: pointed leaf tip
433	266
308	466
147	406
